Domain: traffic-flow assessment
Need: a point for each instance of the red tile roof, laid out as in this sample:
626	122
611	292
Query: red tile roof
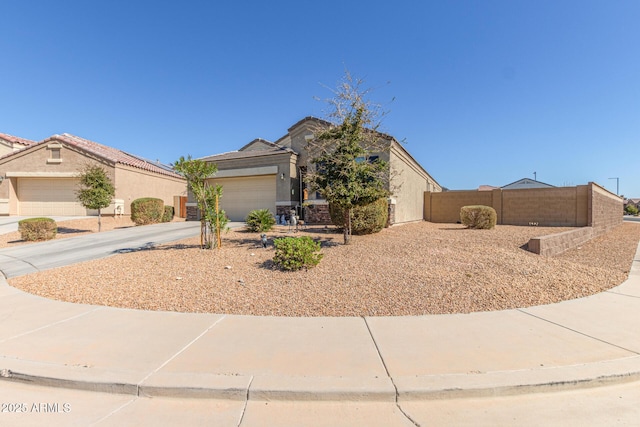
112	154
17	140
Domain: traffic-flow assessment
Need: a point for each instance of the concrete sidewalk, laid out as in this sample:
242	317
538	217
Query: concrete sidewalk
392	361
574	343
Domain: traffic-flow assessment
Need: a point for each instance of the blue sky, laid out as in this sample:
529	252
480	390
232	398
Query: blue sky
486	92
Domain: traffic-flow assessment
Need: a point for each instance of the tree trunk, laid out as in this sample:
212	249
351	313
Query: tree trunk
347	226
99	221
218	239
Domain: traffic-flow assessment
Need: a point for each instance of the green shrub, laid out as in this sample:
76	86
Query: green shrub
631	209
260	220
367	219
32	229
147	210
167	215
478	217
294	253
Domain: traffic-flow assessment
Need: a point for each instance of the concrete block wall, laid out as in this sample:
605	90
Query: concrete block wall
445	206
549	207
590	207
606	208
554	244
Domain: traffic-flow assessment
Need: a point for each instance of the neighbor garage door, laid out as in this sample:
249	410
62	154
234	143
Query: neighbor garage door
241	195
48	196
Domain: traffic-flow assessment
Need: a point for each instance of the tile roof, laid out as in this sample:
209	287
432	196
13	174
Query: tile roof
247	154
112	154
17	140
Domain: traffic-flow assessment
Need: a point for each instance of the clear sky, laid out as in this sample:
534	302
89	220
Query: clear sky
486	91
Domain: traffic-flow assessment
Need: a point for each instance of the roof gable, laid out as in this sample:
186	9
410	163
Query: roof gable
17	140
258	144
110	154
527	183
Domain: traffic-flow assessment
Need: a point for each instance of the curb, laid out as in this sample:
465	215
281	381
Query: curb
351	389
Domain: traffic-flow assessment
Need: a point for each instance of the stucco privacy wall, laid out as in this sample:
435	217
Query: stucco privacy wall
133	183
582	206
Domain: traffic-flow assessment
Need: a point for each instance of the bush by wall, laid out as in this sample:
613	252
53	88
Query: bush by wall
367	219
478	217
168	214
294	253
32	229
147	210
260	220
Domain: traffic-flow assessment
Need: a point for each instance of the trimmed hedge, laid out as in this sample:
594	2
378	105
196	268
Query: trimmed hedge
478	217
294	253
168	214
260	220
367	219
33	229
147	210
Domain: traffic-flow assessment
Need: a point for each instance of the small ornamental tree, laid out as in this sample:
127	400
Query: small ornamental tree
212	218
95	190
341	153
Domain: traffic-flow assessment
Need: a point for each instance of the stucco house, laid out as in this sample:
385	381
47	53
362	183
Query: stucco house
41	178
10	143
270	175
526	183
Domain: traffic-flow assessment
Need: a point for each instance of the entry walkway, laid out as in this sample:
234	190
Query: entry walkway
397	360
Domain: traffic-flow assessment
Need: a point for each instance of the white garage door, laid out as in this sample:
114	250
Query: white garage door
49	196
241	195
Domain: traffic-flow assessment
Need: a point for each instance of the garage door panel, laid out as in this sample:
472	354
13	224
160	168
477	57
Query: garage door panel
241	195
49	196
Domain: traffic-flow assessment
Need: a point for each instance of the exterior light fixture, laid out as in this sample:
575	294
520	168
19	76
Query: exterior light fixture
282	175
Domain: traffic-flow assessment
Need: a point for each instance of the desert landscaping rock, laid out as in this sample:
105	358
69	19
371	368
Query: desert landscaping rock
411	269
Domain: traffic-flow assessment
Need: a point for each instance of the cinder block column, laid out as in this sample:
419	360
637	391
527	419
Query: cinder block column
426	207
496	203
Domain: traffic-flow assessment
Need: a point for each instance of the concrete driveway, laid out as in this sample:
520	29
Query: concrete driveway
35	257
9	224
26	259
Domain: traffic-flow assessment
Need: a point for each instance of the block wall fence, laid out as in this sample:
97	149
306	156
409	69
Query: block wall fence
590	207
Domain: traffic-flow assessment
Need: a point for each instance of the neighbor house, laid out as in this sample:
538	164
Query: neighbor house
42	178
10	143
632	202
526	183
271	175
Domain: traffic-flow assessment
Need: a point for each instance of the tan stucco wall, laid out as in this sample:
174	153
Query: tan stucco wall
132	183
285	162
408	184
35	162
5	148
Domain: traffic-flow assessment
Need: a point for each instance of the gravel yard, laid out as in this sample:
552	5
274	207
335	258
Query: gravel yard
411	269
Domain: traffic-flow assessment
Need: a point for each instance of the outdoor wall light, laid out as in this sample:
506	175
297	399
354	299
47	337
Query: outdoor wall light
282	176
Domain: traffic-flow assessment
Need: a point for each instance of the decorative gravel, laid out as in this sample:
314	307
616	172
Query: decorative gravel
411	269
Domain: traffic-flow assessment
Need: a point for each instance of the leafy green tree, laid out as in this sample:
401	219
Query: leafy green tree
341	151
95	190
212	218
